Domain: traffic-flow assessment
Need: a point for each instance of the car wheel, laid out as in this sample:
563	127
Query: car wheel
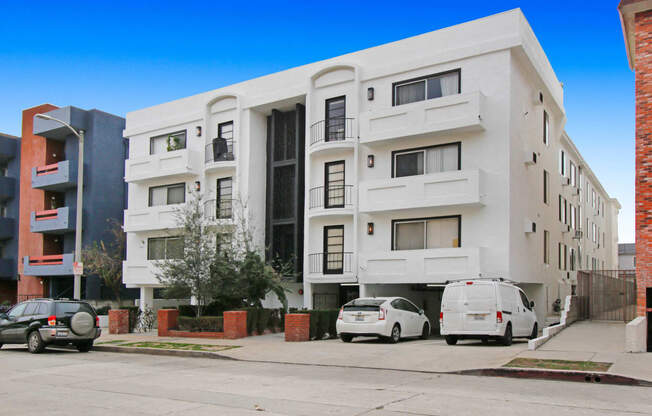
346	338
451	340
535	331
35	343
425	333
84	346
396	334
507	338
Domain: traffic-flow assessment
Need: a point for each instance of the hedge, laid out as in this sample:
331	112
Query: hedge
260	319
322	322
134	314
201	324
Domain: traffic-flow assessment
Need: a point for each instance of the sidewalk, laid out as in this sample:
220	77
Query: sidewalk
582	341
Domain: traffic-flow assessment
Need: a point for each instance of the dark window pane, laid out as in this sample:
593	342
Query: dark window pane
176	194
156	249
174	248
284	183
283	243
408	164
409	93
31	308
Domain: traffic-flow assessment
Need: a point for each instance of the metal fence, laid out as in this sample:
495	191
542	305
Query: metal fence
219	150
334	129
608	295
330	263
332	196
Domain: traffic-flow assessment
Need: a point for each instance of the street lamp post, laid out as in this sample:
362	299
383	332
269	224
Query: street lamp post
80	200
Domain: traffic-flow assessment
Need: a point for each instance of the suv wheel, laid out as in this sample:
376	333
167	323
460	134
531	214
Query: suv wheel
35	344
507	339
84	346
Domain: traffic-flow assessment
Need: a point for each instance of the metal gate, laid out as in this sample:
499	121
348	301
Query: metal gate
607	295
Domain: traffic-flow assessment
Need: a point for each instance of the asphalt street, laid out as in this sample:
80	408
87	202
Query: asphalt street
62	382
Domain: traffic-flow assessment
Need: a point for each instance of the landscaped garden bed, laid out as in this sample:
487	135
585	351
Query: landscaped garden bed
558	364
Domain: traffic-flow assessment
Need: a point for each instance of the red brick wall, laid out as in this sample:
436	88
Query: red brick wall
118	321
32	153
297	327
235	324
167	320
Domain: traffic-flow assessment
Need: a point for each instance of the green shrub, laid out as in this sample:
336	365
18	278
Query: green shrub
201	324
262	322
332	322
322	322
134	315
187	310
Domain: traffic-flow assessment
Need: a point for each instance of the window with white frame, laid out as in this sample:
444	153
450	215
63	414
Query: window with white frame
546	128
546	187
164	248
573	173
546	247
426	233
167	142
428	87
432	159
562	163
167	194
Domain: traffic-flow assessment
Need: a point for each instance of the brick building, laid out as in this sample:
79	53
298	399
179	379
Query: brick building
636	19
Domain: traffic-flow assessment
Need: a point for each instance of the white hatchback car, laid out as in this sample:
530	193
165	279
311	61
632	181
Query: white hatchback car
484	309
391	318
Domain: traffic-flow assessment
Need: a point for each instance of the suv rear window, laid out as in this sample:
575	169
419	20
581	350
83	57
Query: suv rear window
363	305
71	308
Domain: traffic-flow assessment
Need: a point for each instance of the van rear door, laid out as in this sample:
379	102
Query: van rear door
452	307
480	305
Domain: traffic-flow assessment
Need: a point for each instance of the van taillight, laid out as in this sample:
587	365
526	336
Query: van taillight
499	317
97	321
441	316
339	316
469	283
381	314
52	320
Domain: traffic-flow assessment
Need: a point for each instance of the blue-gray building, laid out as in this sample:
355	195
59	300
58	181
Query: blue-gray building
53	191
9	206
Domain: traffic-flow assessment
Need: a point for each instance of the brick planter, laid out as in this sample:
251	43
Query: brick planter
297	327
167	320
118	321
235	324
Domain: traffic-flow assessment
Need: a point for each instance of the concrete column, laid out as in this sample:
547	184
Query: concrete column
363	290
146	298
307	295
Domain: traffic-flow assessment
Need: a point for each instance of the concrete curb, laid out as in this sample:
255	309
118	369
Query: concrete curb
531	373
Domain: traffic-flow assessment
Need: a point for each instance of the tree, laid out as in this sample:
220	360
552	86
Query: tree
187	267
105	259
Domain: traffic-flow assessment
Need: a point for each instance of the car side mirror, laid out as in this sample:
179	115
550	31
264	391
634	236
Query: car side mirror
4	316
531	304
421	312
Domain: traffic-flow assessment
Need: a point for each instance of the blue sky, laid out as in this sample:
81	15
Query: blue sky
120	56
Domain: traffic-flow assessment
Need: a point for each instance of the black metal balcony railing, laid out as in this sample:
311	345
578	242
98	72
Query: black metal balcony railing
331	196
222	209
333	129
219	150
330	263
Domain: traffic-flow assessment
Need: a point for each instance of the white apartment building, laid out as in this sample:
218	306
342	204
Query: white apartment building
387	171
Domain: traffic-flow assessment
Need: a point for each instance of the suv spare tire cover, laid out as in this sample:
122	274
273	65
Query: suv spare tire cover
82	323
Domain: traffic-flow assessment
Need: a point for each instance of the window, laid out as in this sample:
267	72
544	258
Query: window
42	309
572	259
426	233
335	119
334	249
222	146
167	194
31	309
546	128
546	247
573	174
573	217
593	198
426	88
562	251
17	310
225	130
163	248
562	163
224	205
223	242
334	186
425	160
546	187
563	207
524	299
167	142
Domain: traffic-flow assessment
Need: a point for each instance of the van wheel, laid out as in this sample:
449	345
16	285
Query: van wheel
396	334
346	338
35	344
507	338
451	340
425	333
535	331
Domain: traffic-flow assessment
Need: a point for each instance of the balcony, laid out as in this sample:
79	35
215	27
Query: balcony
218	211
452	113
182	163
74	116
53	221
55	177
331	267
333	200
219	155
7	188
419	266
443	189
139	273
53	265
332	135
160	217
7	269
7	228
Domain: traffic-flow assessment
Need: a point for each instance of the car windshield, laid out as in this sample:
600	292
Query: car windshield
363	305
71	308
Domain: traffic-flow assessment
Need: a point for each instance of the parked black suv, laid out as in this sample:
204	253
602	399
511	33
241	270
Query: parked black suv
43	322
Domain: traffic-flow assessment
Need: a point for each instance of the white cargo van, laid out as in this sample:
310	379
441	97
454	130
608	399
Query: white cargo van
484	309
